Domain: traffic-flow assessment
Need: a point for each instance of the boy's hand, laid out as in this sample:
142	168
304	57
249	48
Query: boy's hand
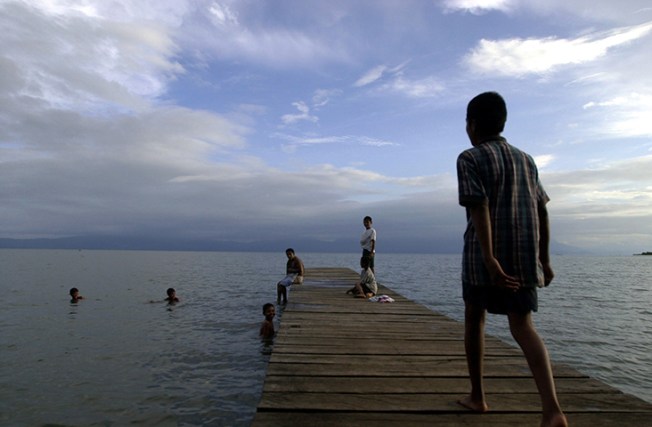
500	278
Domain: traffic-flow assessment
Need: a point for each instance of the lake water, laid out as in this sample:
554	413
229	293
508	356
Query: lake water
116	358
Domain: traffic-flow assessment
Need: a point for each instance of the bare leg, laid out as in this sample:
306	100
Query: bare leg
474	318
284	293
279	293
359	292
537	358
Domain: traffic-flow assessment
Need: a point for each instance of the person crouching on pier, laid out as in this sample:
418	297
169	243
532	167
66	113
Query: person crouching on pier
367	286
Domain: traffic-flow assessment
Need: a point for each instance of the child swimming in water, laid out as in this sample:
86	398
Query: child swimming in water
172	296
74	295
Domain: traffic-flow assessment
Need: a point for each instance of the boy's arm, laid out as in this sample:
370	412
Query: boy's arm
544	244
482	224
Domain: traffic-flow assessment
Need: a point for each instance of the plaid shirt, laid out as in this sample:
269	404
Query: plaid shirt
504	177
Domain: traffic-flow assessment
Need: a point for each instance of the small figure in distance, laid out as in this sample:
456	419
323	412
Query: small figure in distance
172	296
367	286
503	265
294	271
368	241
74	295
267	328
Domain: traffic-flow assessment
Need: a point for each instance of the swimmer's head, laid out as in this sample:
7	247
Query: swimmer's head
269	311
74	292
171	292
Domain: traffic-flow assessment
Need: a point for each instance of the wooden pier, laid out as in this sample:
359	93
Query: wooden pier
343	361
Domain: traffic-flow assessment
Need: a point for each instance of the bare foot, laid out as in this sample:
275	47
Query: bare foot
556	420
473	405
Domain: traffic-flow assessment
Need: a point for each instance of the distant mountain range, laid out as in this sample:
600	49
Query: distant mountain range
423	245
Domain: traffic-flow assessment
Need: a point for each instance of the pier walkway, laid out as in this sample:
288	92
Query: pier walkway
343	361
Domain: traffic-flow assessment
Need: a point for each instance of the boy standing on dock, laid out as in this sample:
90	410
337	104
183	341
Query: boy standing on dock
506	248
368	241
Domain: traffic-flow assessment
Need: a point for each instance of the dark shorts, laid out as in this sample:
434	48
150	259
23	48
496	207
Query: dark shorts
501	301
367	254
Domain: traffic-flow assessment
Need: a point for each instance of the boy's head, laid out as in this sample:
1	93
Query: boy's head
289	252
487	113
269	311
171	292
74	292
367	221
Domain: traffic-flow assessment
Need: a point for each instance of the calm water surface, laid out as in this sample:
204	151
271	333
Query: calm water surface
116	358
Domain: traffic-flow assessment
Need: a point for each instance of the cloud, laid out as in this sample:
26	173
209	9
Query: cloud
478	7
424	88
114	65
393	80
604	207
222	14
155	117
321	97
623	12
238	31
304	114
293	142
614	189
628	115
519	57
543	160
371	76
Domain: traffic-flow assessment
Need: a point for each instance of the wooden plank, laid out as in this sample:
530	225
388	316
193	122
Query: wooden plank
326	384
338	345
442	402
338	360
386	368
374	419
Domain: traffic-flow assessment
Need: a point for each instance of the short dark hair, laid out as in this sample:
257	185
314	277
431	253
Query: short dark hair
170	291
73	290
367	218
489	112
266	306
289	250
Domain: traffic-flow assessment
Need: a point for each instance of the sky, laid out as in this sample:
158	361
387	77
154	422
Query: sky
283	123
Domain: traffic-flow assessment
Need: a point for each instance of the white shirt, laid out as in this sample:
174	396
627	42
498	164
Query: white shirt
366	238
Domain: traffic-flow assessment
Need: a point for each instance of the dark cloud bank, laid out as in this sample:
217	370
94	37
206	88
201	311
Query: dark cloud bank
391	245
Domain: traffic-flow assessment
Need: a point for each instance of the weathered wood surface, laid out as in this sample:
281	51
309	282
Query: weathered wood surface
342	361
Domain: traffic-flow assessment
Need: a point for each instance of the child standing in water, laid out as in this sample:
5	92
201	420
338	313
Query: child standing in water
267	328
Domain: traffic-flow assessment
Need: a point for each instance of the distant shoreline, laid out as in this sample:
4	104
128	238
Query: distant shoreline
644	253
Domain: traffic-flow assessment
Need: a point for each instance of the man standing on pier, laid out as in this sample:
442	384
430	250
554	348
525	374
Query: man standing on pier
506	254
